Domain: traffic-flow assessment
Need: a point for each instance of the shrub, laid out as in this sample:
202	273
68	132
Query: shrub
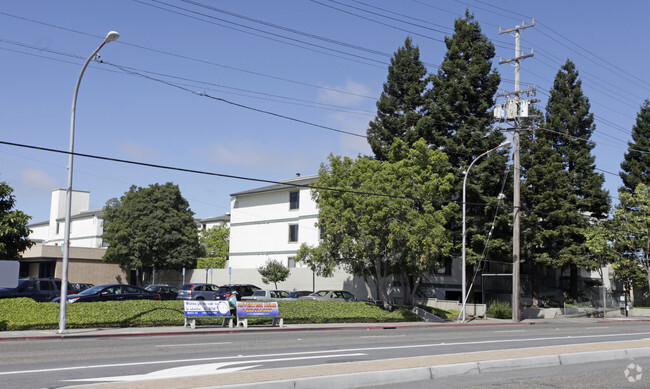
499	310
26	314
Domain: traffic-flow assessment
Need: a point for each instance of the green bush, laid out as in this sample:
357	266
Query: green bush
214	262
26	314
499	310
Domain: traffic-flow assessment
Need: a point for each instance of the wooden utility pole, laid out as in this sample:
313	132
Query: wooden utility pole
513	112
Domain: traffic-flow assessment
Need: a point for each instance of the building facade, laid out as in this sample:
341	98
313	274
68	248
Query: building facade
272	222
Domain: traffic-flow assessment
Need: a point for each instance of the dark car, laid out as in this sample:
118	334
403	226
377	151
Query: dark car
299	293
198	291
39	289
225	291
81	286
111	292
166	292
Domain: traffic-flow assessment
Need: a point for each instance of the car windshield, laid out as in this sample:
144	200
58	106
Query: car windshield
93	290
320	293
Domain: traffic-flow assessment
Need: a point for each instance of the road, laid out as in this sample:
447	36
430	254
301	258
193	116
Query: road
76	361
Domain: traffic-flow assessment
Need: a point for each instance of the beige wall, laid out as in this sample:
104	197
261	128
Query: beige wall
85	264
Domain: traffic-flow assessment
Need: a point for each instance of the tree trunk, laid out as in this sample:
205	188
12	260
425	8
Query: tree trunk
573	288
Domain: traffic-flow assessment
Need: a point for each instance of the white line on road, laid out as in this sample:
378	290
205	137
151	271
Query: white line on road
191	344
205	369
496	332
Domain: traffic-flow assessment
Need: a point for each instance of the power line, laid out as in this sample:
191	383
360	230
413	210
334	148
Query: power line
126	70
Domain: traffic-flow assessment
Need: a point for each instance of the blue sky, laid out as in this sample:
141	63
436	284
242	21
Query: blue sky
217	81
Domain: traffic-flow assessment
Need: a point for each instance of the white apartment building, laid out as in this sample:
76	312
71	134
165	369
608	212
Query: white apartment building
272	222
86	225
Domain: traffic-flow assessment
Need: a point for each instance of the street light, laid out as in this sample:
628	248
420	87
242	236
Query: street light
110	37
464	281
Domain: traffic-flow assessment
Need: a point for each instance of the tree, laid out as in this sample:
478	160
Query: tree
215	241
400	105
636	163
274	272
385	219
14	231
458	120
632	224
599	252
151	228
566	192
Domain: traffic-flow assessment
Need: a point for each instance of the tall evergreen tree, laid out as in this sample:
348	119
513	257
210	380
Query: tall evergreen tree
569	191
400	106
458	120
636	164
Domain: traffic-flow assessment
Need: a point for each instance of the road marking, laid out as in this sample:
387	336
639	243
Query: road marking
350	350
382	336
191	344
204	369
496	332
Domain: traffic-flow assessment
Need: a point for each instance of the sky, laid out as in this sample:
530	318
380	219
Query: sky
264	90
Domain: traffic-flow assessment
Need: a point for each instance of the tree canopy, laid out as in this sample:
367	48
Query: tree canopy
14	231
636	163
273	272
563	194
385	218
151	227
632	225
215	241
401	103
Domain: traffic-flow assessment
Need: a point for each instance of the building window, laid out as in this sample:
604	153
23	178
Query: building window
293	232
446	268
294	200
291	262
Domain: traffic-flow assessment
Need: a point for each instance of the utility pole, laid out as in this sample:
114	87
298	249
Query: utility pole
515	110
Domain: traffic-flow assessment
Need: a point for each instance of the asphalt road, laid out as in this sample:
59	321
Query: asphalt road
75	361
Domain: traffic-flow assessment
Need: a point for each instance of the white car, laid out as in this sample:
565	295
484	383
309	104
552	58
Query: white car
267	295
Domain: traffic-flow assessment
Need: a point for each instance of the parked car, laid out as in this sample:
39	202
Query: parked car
267	295
111	292
225	291
299	293
166	292
198	291
330	295
39	289
81	286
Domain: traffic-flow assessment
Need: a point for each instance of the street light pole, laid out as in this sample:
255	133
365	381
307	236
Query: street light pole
464	280
110	37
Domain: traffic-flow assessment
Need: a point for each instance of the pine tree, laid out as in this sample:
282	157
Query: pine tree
636	163
400	106
458	120
569	192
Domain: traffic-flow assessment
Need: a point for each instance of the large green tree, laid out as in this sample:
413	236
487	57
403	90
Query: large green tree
632	225
385	219
636	163
401	103
569	193
458	120
14	231
151	228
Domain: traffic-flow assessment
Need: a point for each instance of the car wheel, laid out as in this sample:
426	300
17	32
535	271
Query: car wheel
200	298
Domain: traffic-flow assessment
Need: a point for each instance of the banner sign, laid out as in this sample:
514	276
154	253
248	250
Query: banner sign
266	308
206	308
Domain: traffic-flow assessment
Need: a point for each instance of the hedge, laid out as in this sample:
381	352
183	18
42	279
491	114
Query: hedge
26	314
